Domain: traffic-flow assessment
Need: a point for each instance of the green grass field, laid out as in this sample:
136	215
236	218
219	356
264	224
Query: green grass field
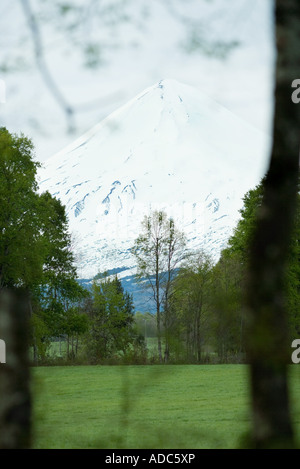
156	407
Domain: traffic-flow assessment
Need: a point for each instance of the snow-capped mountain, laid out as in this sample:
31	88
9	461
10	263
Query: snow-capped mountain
170	147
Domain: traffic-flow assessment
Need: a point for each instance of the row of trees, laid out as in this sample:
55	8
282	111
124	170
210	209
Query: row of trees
198	305
40	296
196	302
35	246
37	262
200	308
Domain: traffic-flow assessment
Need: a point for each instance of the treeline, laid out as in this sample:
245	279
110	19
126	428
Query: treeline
37	265
96	327
199	313
36	260
200	304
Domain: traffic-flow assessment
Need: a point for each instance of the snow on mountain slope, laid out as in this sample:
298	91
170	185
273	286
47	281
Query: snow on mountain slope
170	147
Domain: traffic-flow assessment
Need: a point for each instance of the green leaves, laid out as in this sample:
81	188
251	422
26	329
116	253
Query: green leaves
238	251
20	240
112	328
240	240
33	228
35	245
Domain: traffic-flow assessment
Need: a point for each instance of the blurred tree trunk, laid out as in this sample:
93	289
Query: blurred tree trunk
15	400
268	348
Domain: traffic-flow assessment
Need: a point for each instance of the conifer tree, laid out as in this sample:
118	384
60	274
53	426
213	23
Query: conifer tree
112	326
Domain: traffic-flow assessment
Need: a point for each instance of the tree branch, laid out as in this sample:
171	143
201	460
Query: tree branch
43	67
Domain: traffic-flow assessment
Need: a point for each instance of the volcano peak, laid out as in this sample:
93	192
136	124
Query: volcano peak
170	147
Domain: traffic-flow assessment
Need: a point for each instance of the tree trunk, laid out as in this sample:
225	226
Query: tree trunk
268	349
158	323
157	286
15	399
34	346
198	337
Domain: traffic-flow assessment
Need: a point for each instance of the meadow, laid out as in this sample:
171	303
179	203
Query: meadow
156	407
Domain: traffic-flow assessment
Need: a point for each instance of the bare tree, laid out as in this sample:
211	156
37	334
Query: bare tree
158	252
266	310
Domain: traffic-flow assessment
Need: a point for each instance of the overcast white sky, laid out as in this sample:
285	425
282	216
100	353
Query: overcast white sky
148	46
